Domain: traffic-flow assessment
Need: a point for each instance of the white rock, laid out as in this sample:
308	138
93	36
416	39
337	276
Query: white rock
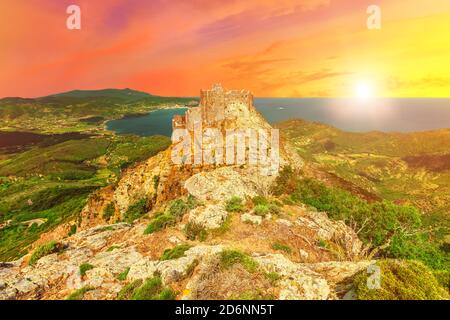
284	222
247	217
303	254
209	216
142	270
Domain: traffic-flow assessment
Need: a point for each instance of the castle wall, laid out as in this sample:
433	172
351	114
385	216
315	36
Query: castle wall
217	105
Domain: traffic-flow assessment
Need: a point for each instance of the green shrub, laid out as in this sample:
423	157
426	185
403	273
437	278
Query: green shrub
234	205
72	230
225	226
400	280
192	202
112	248
160	222
378	223
253	295
229	258
175	253
175	213
136	210
127	291
418	247
194	231
123	275
323	244
85	267
152	289
43	250
273	277
262	210
79	294
281	247
286	182
443	277
109	211
260	200
155	182
167	294
178	208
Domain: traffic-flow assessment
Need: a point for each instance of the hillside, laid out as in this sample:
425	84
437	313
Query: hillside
52	183
79	110
184	231
402	167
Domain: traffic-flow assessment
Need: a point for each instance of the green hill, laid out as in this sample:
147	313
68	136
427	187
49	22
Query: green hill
112	93
403	167
68	111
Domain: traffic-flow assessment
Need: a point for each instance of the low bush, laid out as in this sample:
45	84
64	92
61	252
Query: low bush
175	253
109	211
234	205
260	200
161	221
72	230
153	289
281	247
174	213
79	294
262	210
229	258
178	208
127	291
123	275
195	231
394	228
44	250
136	210
400	280
85	267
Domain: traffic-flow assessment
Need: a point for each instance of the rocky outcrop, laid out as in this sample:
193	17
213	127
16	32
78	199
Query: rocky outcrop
281	256
210	216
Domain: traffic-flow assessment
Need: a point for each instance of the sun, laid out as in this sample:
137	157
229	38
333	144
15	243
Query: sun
364	91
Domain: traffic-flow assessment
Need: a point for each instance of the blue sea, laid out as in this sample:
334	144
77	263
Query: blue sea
399	115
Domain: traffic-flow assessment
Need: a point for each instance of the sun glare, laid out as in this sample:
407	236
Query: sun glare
364	91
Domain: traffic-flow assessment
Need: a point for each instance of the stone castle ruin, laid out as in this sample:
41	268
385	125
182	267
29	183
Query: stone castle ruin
225	129
217	108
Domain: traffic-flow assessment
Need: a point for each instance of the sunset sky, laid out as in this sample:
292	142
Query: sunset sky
298	48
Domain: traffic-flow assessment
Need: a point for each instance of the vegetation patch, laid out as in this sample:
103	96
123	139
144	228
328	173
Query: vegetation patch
159	222
136	210
173	214
127	291
394	228
109	211
175	253
229	258
273	277
195	231
123	275
84	268
72	230
79	294
262	210
253	295
281	247
401	280
44	250
151	289
235	204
